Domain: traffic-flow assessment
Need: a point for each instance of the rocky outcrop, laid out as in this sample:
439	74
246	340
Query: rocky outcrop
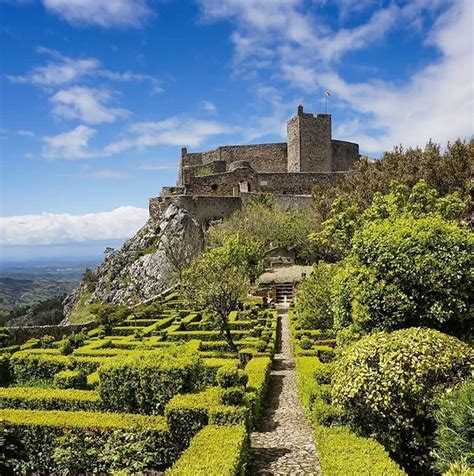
146	264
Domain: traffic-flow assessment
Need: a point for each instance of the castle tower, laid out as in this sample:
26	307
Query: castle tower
309	142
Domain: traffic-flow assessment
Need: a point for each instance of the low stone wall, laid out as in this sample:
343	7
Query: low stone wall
19	335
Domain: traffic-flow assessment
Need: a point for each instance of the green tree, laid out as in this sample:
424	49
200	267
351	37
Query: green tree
243	252
313	304
212	282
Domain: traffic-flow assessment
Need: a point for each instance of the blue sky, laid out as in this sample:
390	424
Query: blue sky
98	96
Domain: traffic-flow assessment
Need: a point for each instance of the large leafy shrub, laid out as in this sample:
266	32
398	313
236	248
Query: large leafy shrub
413	272
387	382
455	428
144	383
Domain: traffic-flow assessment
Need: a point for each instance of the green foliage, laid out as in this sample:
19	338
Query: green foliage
188	413
447	172
214	451
459	468
413	272
36	398
387	382
455	429
146	382
108	315
47	342
313	304
84	442
258	370
4	336
148	311
70	379
231	376
342	453
306	343
243	252
5	370
71	343
333	242
33	369
90	279
264	222
214	284
233	395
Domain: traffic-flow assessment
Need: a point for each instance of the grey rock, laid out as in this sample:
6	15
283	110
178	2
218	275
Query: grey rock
142	268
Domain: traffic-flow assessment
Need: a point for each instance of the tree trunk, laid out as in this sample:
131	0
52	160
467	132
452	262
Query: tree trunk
225	331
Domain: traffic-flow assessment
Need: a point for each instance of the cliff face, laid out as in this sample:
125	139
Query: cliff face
146	265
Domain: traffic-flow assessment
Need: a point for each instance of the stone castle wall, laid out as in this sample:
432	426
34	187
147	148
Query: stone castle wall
213	184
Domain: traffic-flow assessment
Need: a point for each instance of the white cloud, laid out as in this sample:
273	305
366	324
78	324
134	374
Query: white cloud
209	106
50	228
25	133
70	145
106	174
104	13
86	104
61	70
175	130
437	102
290	43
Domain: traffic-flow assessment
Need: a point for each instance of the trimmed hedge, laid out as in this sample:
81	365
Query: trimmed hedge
32	369
36	398
214	451
342	453
146	382
189	413
79	442
70	379
258	370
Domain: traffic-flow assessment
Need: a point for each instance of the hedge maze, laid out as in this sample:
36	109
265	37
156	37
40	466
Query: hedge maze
158	391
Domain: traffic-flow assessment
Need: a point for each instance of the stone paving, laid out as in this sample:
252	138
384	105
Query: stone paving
282	444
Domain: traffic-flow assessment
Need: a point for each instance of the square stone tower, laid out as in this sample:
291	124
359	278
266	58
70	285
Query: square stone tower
309	142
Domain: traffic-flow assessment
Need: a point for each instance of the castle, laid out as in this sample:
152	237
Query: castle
211	185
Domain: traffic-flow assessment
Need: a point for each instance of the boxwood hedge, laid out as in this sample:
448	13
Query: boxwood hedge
214	451
84	442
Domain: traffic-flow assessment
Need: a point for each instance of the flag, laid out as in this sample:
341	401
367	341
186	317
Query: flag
327	93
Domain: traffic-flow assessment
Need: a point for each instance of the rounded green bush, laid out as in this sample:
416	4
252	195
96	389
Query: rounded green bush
387	384
306	343
231	376
455	428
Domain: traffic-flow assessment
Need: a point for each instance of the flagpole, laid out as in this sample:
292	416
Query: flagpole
326	96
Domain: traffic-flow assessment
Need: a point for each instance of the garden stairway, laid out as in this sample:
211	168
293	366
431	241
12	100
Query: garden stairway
284	292
282	443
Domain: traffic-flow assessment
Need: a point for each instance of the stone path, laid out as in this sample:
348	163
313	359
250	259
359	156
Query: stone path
283	442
